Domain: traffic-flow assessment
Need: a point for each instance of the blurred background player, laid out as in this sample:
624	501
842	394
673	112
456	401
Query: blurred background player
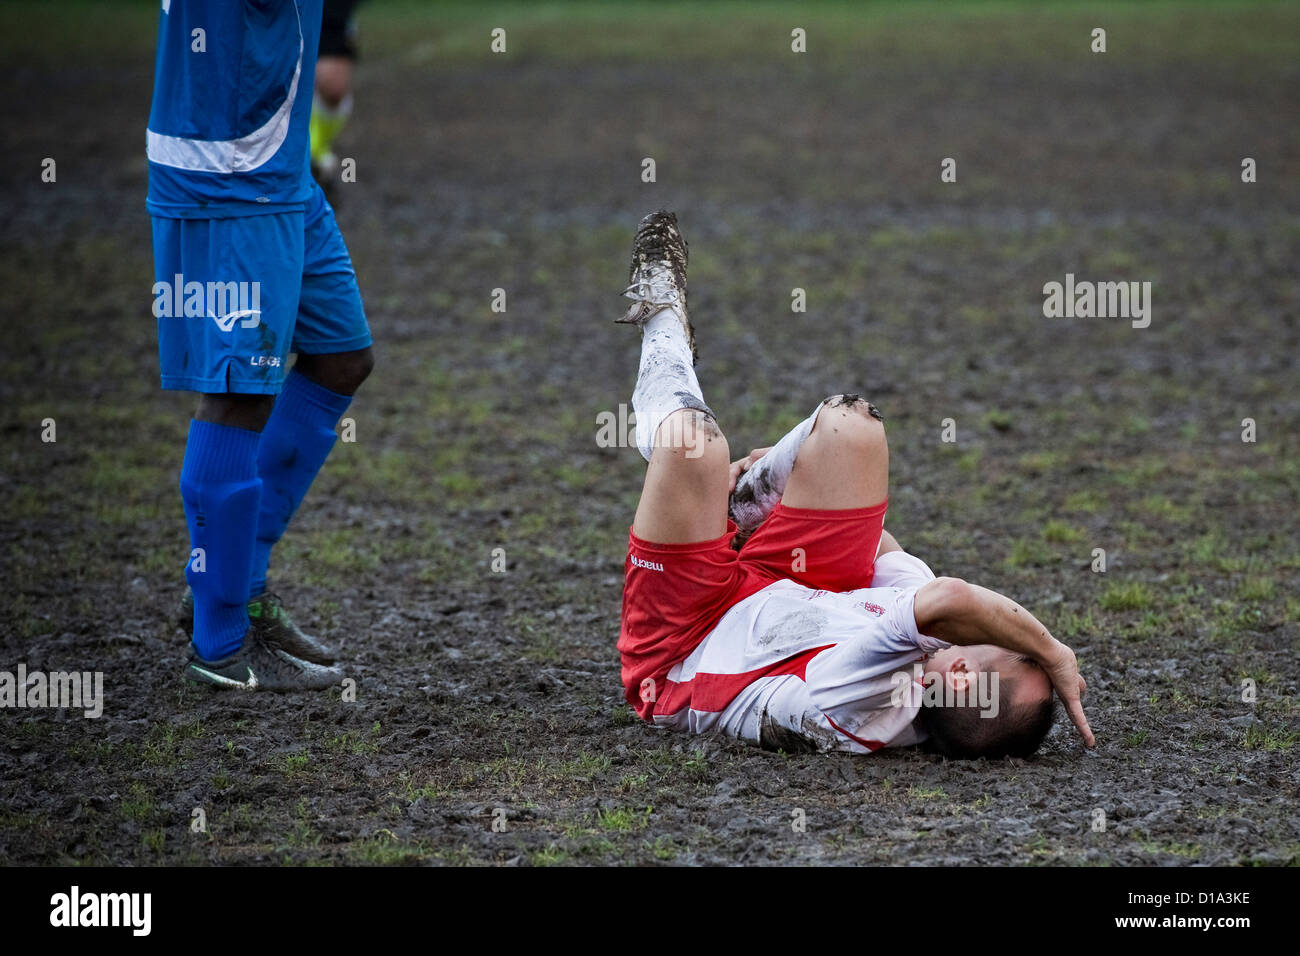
764	600
332	103
249	266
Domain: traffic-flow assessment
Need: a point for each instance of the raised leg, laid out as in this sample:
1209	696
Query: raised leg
844	463
835	459
684	498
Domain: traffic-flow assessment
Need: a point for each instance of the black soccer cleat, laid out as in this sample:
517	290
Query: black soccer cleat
259	665
267	613
658	273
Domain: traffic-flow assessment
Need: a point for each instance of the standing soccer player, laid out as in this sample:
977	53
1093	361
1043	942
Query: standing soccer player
250	266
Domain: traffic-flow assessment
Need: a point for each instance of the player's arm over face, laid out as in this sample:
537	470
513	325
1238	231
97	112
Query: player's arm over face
958	612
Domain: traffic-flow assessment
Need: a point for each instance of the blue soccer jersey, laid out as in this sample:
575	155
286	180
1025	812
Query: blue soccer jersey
249	264
228	130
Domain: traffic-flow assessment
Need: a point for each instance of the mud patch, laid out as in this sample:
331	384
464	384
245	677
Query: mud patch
799	629
847	400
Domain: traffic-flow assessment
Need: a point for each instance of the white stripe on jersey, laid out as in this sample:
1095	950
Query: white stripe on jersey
240	155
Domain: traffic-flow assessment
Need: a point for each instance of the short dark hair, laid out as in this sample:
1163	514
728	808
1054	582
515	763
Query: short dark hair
961	732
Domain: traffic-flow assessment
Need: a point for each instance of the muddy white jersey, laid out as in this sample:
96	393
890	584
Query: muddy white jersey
797	668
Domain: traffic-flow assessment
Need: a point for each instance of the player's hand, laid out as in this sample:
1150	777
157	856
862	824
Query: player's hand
743	465
1063	669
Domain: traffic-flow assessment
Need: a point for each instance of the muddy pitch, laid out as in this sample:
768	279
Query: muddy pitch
466	550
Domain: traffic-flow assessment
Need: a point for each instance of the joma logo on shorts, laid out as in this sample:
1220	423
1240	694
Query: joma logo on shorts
224	302
648	565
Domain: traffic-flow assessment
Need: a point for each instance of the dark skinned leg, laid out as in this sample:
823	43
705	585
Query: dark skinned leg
249	412
340	372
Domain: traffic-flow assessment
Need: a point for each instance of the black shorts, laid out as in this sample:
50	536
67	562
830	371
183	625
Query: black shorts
338	29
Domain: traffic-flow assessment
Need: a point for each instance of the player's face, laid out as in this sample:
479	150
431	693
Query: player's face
960	668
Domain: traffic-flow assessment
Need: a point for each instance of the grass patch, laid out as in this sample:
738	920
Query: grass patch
384	848
550	855
1262	737
1256	589
999	421
1126	596
1059	532
623	819
296	763
1029	552
1087	501
138	804
927	793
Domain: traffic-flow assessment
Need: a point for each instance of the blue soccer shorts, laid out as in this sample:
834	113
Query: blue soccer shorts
234	297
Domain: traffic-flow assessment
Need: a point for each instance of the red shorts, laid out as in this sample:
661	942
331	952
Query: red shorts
674	594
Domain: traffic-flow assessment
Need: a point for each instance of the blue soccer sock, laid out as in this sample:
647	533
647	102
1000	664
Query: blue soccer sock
295	443
221	492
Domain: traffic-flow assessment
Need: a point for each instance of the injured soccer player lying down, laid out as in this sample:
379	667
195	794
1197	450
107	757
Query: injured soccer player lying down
763	598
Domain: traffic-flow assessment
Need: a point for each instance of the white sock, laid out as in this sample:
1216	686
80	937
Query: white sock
666	378
760	488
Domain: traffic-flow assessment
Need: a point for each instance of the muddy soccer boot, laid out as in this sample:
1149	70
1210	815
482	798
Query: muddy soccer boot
268	615
259	665
658	274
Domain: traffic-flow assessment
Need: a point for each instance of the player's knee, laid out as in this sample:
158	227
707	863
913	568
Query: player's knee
361	367
852	404
852	420
342	372
691	435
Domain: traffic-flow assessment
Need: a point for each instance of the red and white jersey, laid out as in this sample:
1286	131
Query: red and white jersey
798	668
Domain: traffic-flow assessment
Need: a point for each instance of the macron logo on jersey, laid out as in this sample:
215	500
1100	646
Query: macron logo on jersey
648	565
